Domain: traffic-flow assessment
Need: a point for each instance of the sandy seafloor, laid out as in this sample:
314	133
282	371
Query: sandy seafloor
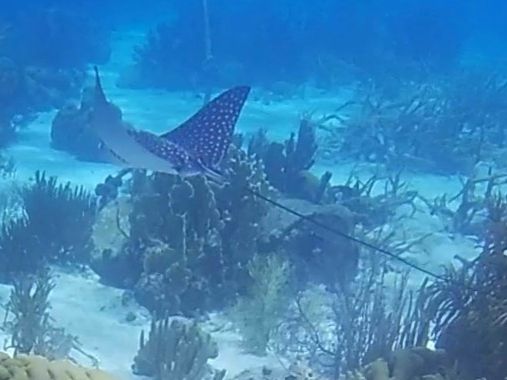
94	312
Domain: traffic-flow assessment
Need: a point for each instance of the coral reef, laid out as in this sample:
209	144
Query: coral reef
288	165
407	364
192	240
33	367
346	326
187	243
466	211
288	169
370	206
65	237
109	237
28	89
453	129
470	305
317	255
55	227
176	349
70	130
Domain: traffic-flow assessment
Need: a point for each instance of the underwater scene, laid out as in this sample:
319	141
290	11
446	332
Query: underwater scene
253	190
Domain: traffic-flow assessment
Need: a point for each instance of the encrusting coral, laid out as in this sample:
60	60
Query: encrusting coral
176	349
413	363
32	367
316	254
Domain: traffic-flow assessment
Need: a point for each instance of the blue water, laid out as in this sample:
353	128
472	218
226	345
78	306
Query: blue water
406	104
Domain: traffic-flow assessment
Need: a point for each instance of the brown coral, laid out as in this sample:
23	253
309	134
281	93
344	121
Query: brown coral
26	367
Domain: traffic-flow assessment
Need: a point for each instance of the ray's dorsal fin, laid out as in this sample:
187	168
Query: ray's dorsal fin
208	134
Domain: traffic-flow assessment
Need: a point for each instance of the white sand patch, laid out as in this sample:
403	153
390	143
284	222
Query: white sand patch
94	313
97	316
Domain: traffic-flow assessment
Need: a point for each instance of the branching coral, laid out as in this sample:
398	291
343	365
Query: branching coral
466	211
56	226
29	306
28	321
288	164
351	325
438	125
174	52
470	305
162	61
65	237
259	312
176	349
373	207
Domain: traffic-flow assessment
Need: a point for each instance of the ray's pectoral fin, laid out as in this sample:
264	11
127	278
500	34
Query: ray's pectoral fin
208	134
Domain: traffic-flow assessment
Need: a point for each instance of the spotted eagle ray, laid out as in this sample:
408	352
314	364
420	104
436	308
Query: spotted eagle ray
195	147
